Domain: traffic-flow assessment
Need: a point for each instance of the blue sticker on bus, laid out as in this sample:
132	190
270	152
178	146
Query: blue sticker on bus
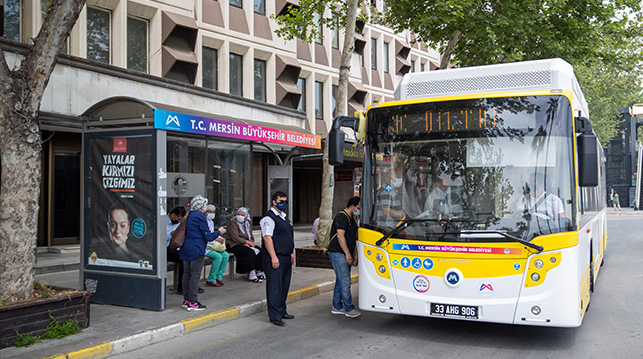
427	263
406	262
517	266
416	263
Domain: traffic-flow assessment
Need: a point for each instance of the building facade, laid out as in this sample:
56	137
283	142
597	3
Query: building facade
218	58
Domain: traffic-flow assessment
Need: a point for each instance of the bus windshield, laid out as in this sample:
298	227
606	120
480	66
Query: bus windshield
471	170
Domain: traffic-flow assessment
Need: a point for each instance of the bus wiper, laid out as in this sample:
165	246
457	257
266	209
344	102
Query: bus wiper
402	226
514	238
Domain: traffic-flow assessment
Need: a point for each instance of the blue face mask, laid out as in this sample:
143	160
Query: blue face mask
282	205
357	212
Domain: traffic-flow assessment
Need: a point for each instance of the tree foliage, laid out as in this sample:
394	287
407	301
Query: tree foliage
517	30
601	39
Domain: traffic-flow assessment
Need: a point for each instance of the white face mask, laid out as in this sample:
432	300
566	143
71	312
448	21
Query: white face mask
241	219
211	215
397	182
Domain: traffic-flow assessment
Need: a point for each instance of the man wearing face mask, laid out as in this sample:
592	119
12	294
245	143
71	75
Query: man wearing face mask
342	251
216	252
389	203
172	221
278	257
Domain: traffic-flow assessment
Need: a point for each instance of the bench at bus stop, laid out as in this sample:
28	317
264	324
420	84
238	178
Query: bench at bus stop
172	267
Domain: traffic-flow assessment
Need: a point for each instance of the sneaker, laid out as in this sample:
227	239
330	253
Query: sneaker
352	314
213	284
261	275
220	281
185	304
338	311
195	306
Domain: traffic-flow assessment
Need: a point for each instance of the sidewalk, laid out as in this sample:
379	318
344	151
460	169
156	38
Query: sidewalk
115	329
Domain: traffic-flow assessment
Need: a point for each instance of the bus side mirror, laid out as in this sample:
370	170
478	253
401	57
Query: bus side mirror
587	159
336	138
336	147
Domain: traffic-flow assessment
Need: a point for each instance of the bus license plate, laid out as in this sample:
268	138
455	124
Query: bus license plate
454	310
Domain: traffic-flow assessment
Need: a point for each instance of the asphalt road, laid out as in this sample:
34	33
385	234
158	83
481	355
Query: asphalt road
613	327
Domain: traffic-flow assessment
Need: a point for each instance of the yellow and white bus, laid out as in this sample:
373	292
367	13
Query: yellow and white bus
483	196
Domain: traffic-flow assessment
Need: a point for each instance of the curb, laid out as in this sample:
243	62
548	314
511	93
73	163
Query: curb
152	336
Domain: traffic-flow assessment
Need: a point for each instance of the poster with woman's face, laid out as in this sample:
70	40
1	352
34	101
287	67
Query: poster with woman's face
120	202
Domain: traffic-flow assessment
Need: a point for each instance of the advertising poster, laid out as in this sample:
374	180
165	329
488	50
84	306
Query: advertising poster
120	201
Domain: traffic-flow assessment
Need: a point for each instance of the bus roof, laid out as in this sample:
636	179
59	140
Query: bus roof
549	74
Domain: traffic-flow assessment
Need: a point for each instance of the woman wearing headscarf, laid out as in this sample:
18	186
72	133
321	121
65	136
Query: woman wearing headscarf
192	253
241	243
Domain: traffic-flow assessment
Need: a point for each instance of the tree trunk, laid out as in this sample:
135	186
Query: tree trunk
328	189
20	167
19	202
448	51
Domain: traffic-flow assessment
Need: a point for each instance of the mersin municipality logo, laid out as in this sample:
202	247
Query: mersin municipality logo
452	277
172	119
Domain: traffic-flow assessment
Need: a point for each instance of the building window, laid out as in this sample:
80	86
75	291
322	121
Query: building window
421	67
209	69
385	59
236	74
236	3
319	38
260	80
412	65
319	100
260	7
373	54
137	44
98	35
301	84
335	39
334	91
12	18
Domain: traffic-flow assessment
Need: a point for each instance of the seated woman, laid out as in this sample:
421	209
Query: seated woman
241	243
216	251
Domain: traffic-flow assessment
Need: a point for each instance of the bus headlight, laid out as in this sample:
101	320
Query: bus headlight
382	269
379	256
535	310
539	266
382	298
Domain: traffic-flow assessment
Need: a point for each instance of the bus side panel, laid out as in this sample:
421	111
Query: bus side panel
557	297
374	285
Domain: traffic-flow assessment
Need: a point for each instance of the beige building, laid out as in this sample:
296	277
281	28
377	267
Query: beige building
219	58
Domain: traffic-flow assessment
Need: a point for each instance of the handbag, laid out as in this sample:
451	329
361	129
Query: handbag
216	246
177	237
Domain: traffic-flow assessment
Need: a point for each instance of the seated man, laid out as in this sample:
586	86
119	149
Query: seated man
544	205
443	202
173	220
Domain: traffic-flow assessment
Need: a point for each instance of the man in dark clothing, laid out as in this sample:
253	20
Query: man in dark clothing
173	220
278	257
342	251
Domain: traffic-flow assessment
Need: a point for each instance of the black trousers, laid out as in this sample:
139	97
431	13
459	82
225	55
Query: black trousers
277	285
173	256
